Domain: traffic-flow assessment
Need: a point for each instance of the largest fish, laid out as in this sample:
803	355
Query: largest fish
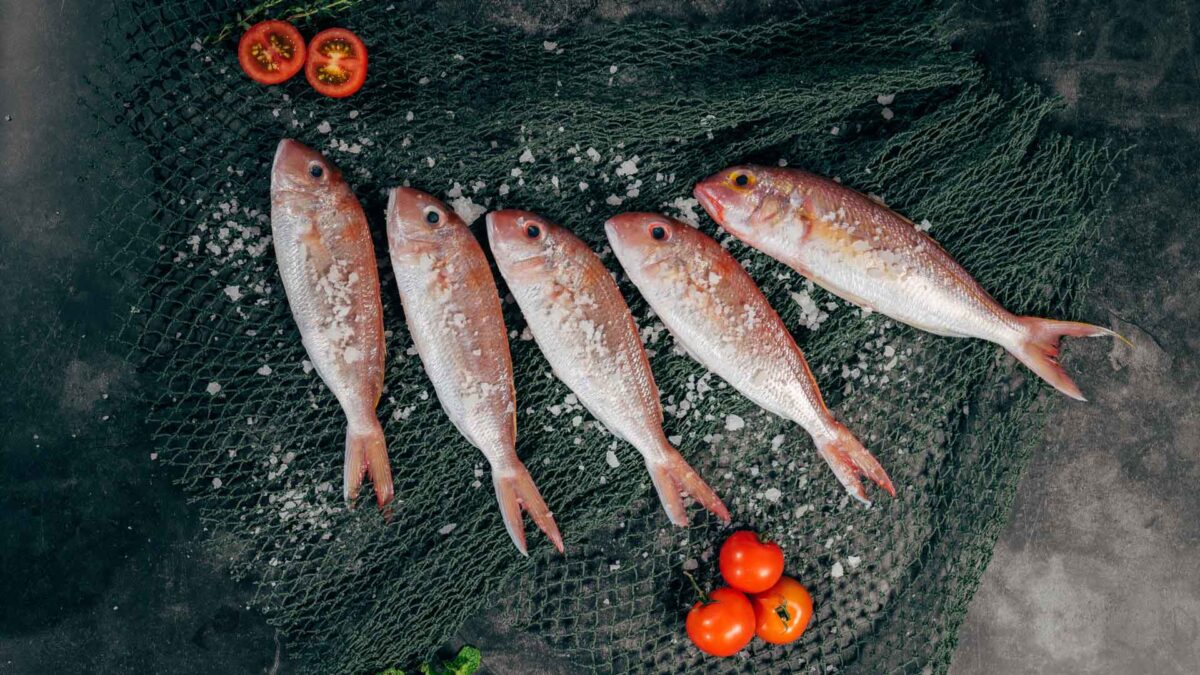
325	256
583	326
872	256
715	310
453	312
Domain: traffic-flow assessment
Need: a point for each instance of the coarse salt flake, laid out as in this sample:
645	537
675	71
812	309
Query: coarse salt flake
213	388
734	422
611	458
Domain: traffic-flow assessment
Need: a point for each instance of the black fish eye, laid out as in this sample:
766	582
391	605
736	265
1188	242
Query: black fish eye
315	170
658	232
741	179
533	231
432	216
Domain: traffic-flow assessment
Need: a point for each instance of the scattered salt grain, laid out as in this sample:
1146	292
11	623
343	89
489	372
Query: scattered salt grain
549	46
628	167
264	370
612	70
409	116
835	131
854	561
924	225
324	127
885	99
216	483
447	529
837	572
777	442
526	157
234	292
467	209
772	494
611	458
888	114
307	366
213	388
734	422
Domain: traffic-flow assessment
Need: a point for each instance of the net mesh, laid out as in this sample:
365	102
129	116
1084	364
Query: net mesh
578	127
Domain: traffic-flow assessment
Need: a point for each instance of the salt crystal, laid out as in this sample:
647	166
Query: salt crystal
612	69
324	127
409	116
213	388
234	292
447	529
777	442
837	572
885	99
613	200
734	422
835	131
888	114
307	365
264	370
611	458
854	561
526	157
690	564
549	46
772	494
216	482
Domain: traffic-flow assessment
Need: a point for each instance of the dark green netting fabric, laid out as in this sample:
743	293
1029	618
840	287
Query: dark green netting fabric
579	126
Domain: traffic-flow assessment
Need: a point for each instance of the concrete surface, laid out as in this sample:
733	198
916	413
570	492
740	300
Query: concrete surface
1097	572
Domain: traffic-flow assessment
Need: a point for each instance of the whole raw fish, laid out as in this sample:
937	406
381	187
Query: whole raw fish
327	262
583	326
714	309
868	254
453	313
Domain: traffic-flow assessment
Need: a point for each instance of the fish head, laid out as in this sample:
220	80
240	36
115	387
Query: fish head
418	222
756	204
305	175
647	244
525	243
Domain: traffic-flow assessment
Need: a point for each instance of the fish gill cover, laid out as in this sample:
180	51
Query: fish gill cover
580	126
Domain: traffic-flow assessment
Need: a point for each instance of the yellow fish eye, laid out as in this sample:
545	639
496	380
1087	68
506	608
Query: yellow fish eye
741	180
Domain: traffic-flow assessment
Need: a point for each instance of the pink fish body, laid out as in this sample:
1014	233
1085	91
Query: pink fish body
327	262
453	313
872	256
582	324
715	310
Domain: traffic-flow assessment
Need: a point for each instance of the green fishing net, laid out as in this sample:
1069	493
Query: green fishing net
580	125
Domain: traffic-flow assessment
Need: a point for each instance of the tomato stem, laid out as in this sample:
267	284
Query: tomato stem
699	593
782	612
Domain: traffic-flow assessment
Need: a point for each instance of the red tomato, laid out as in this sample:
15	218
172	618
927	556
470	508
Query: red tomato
783	611
748	564
723	625
271	51
337	63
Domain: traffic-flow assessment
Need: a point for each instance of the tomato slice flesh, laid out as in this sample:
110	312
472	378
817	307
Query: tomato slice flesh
271	52
337	63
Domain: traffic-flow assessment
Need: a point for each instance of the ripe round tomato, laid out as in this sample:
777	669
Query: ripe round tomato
723	625
783	611
748	564
271	51
337	63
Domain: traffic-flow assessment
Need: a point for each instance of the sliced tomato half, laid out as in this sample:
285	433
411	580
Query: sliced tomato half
337	63
271	51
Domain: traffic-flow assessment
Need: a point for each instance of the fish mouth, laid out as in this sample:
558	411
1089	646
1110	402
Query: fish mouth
707	196
489	222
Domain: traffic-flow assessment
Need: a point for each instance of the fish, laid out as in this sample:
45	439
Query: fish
860	250
327	261
453	312
580	321
713	308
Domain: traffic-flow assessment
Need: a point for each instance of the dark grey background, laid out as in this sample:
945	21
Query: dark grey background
1098	571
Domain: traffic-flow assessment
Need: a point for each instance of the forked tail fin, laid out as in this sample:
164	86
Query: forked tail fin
366	453
850	462
515	490
1039	349
671	474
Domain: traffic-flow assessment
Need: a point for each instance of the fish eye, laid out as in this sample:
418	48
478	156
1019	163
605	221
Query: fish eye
659	233
315	170
741	179
533	231
432	216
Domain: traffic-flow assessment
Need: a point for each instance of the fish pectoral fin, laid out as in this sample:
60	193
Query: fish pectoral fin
318	253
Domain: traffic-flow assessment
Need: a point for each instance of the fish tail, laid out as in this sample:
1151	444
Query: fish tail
850	461
366	454
515	490
671	475
1038	349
